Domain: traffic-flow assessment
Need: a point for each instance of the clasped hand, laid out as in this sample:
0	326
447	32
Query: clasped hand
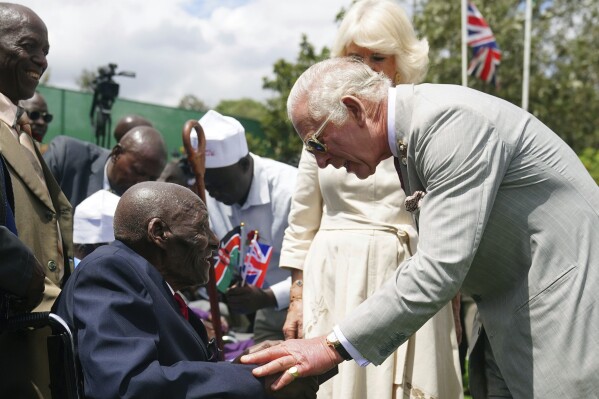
312	357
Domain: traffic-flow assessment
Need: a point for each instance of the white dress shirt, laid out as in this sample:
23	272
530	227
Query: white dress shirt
266	210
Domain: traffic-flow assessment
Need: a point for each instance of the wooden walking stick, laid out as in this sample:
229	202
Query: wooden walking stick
194	142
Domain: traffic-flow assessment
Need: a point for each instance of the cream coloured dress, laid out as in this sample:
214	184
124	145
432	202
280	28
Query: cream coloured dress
348	236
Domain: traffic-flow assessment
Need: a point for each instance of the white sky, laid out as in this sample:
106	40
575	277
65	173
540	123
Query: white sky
214	49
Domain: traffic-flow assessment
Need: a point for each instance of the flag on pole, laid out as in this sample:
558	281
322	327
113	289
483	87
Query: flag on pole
256	263
486	53
227	261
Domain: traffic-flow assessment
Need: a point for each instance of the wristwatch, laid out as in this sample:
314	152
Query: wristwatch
334	343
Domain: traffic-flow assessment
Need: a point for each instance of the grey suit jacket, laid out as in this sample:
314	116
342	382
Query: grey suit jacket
77	165
510	217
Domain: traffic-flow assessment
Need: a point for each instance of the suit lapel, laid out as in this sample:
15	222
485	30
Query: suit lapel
21	166
96	178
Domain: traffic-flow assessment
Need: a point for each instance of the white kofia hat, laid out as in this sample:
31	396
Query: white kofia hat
225	140
93	220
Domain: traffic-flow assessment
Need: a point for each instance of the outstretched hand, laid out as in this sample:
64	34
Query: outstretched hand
311	357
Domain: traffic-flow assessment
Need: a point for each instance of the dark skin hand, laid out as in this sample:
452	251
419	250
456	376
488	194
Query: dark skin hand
248	299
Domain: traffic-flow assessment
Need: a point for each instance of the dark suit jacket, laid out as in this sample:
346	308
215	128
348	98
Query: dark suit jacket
132	340
16	260
77	165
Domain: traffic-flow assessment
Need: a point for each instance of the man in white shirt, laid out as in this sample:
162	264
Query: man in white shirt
246	188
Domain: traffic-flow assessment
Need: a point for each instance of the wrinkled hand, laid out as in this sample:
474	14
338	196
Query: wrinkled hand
311	357
300	388
294	323
248	299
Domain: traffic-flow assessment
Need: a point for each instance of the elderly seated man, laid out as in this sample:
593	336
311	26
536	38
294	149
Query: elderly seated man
134	335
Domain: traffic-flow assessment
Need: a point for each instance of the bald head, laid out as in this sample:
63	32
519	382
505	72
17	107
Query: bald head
127	123
148	200
139	156
167	224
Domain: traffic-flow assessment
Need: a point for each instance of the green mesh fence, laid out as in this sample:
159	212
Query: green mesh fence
71	117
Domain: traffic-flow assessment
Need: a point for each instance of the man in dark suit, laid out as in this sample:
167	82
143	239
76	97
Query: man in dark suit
82	168
128	321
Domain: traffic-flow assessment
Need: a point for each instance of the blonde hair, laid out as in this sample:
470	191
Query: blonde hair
383	26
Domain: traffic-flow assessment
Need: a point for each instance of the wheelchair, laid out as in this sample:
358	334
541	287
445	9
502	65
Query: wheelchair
66	381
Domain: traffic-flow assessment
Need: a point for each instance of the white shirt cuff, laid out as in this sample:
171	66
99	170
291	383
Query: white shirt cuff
350	348
281	292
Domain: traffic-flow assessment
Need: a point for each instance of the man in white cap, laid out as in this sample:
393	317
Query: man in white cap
257	191
93	223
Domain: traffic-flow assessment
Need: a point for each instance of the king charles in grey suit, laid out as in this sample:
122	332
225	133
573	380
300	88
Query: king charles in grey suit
506	213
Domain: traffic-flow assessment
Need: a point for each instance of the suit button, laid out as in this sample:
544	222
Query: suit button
477	298
49	216
52	265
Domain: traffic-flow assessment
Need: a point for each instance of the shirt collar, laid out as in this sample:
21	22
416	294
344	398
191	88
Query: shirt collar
391	121
9	113
105	182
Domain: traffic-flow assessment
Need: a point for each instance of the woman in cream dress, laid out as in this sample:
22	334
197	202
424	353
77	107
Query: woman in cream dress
347	236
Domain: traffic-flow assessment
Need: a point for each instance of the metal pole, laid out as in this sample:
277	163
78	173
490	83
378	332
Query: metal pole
526	66
464	46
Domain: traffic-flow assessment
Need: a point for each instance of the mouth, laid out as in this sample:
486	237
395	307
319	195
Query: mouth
34	75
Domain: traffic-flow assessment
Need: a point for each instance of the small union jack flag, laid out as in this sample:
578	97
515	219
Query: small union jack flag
256	263
486	53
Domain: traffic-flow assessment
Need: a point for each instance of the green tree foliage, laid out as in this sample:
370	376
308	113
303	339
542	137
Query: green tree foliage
590	159
193	103
564	72
85	80
282	142
245	107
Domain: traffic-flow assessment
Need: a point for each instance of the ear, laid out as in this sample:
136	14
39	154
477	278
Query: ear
117	150
158	232
356	109
245	163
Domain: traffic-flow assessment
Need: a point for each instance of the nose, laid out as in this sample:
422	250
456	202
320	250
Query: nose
323	160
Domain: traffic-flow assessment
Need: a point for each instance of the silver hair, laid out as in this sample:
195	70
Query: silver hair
383	26
322	86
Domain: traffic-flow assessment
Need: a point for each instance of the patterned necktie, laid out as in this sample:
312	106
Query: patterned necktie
182	305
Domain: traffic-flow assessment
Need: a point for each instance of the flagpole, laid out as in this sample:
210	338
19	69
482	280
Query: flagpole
464	49
526	66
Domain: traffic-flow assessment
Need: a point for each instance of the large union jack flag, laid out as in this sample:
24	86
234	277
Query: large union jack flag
486	53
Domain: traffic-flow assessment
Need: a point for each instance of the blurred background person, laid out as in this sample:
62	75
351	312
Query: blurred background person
347	236
37	111
127	123
82	168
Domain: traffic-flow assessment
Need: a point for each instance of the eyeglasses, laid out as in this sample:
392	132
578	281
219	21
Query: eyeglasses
35	115
313	144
